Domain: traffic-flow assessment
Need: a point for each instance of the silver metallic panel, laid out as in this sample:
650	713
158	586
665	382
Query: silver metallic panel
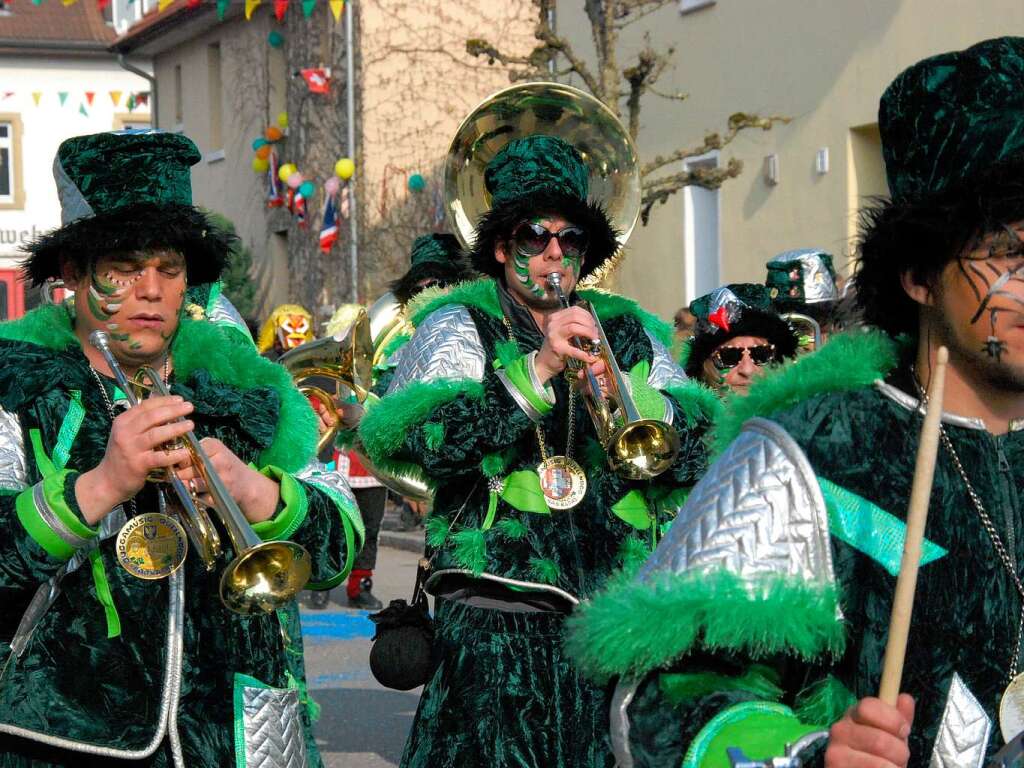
758	511
73	205
818	283
223	311
665	372
336	486
445	346
619	728
911	403
13	471
963	731
272	724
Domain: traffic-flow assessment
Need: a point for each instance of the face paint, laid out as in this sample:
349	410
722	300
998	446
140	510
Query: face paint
521	265
571	263
107	293
991	276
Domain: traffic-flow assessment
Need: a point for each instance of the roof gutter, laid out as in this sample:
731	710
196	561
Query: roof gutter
83	46
153	112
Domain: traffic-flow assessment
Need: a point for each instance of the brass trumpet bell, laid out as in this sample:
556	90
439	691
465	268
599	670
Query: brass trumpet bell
265	577
642	449
550	109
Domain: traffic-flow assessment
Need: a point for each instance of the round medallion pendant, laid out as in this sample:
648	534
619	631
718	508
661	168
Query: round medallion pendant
563	482
1011	709
151	546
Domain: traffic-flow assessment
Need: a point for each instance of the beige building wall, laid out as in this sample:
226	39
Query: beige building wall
822	62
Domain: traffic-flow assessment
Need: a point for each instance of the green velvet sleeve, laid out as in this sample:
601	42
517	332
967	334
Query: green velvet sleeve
332	532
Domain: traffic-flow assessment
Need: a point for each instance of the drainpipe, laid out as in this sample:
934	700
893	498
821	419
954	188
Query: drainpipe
350	98
153	111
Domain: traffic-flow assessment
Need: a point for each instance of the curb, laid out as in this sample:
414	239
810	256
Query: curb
409	542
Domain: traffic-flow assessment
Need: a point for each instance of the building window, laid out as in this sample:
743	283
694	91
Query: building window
125	13
215	95
129	121
702	247
688	6
12	194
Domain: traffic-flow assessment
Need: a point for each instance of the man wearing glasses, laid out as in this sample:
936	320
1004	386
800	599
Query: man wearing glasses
528	520
737	337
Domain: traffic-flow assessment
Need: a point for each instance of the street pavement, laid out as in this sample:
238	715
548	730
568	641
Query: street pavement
362	724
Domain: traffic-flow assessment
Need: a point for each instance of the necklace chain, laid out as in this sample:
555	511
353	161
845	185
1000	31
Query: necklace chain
571	429
986	523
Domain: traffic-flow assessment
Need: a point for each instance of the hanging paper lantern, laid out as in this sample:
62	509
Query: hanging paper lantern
263	152
295	180
260	164
273	133
345	168
282	119
417	183
275	39
285	171
332	185
306	189
257	143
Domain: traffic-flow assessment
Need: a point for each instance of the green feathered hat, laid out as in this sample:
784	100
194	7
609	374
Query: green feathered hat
739	309
950	118
436	257
801	277
540	175
123	192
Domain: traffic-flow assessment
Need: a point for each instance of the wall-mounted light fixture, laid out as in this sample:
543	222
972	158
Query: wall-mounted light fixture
821	161
771	170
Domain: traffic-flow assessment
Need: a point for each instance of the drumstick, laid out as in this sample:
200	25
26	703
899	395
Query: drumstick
917	516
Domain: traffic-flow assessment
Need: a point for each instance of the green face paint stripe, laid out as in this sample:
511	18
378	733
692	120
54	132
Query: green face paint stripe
870	529
135	345
95	308
119	336
107	288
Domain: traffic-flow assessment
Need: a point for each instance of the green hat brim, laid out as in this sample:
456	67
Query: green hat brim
182	228
454	271
498	223
753	322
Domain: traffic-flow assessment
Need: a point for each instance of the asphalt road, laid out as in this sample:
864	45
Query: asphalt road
362	724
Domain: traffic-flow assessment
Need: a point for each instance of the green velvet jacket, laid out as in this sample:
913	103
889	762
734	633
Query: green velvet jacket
452	416
737	652
156	671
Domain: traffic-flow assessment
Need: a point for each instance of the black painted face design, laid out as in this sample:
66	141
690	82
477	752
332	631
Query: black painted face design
994	271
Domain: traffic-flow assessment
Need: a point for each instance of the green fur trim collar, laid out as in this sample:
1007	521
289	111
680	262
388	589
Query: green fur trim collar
637	626
849	361
200	344
483	295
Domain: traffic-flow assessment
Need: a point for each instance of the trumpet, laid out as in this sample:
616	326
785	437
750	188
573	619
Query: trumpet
264	575
637	448
805	326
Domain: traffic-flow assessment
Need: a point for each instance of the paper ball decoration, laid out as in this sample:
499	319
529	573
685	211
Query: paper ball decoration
273	133
417	183
285	171
282	119
295	180
306	189
257	143
263	152
275	39
260	164
345	168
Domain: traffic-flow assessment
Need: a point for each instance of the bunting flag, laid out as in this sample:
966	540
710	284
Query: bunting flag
82	110
69	2
307	7
36	96
193	4
280	8
329	228
316	78
115	97
162	4
250	6
89	96
63	96
297	205
102	4
274	199
7	95
337	6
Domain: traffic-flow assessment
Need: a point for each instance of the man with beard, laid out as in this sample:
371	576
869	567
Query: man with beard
764	613
528	519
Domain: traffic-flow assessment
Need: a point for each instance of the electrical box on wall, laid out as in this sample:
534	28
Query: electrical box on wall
821	161
771	170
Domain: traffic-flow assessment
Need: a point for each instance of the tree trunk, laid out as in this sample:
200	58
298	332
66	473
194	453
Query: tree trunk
317	132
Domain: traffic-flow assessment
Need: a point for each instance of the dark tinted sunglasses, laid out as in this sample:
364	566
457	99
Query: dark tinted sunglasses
730	357
531	239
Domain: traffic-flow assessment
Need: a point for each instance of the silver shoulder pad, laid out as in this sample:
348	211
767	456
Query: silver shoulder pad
446	345
223	311
13	471
758	511
665	372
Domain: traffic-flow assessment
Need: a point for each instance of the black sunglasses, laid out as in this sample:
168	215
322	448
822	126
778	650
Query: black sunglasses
730	357
530	239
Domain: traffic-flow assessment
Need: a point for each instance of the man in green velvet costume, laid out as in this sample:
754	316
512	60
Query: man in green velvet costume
99	667
478	401
761	619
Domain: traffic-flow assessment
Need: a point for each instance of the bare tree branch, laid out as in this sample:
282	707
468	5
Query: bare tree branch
738	121
660	190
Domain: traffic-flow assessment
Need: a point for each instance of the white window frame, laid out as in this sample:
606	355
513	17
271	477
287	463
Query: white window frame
689	228
12	142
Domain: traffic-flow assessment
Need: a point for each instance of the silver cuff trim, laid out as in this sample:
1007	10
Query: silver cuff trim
665	372
168	700
625	690
272	728
13	467
446	345
670	413
54	522
525	405
502	580
962	738
544	391
757	511
336	487
911	403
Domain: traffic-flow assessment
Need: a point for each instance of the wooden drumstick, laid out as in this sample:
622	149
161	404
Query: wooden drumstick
917	517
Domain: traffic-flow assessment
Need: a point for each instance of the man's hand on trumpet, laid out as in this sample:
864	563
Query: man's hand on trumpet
256	495
560	328
134	450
